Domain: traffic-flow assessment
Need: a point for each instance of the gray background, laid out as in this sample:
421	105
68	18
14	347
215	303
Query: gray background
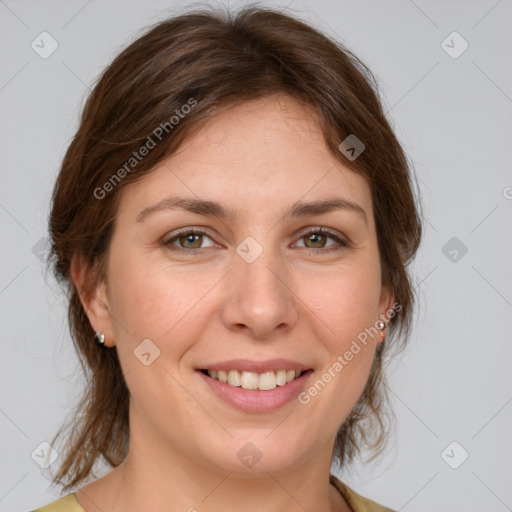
453	116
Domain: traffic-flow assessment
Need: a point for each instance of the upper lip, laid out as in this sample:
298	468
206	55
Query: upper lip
256	366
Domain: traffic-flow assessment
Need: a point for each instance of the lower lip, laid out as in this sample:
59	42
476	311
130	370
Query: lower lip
255	400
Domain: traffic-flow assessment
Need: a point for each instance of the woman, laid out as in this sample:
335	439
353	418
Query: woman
233	219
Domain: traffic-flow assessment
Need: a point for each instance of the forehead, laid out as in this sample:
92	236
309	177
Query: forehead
260	155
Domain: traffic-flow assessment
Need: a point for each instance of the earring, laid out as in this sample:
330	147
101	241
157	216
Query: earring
99	337
381	325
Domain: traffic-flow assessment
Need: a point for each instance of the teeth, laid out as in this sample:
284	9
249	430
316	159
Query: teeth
267	381
281	377
252	380
249	380
234	378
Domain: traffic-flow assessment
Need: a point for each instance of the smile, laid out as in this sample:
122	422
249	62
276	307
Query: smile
256	390
256	381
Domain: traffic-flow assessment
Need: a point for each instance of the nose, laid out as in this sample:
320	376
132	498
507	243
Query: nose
259	299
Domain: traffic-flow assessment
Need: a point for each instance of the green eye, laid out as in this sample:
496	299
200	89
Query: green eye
316	238
190	240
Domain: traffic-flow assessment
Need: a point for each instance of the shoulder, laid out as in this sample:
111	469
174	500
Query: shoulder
67	503
357	502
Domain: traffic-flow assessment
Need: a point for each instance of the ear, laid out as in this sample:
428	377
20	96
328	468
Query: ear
386	310
94	298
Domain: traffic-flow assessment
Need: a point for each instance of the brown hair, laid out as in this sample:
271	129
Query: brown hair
216	58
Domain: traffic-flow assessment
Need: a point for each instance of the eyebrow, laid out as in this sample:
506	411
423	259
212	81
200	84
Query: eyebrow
215	209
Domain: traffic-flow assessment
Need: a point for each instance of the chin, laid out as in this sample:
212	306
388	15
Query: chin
261	451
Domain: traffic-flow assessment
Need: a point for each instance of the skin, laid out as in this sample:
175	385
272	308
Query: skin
295	301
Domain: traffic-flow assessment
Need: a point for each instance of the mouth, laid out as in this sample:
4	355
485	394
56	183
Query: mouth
265	381
255	388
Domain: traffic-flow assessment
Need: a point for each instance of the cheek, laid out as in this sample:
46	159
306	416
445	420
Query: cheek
346	301
152	299
346	306
347	311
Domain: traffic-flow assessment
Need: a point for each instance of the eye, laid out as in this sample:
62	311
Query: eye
190	240
316	238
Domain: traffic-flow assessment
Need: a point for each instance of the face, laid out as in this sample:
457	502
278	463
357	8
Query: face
224	258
